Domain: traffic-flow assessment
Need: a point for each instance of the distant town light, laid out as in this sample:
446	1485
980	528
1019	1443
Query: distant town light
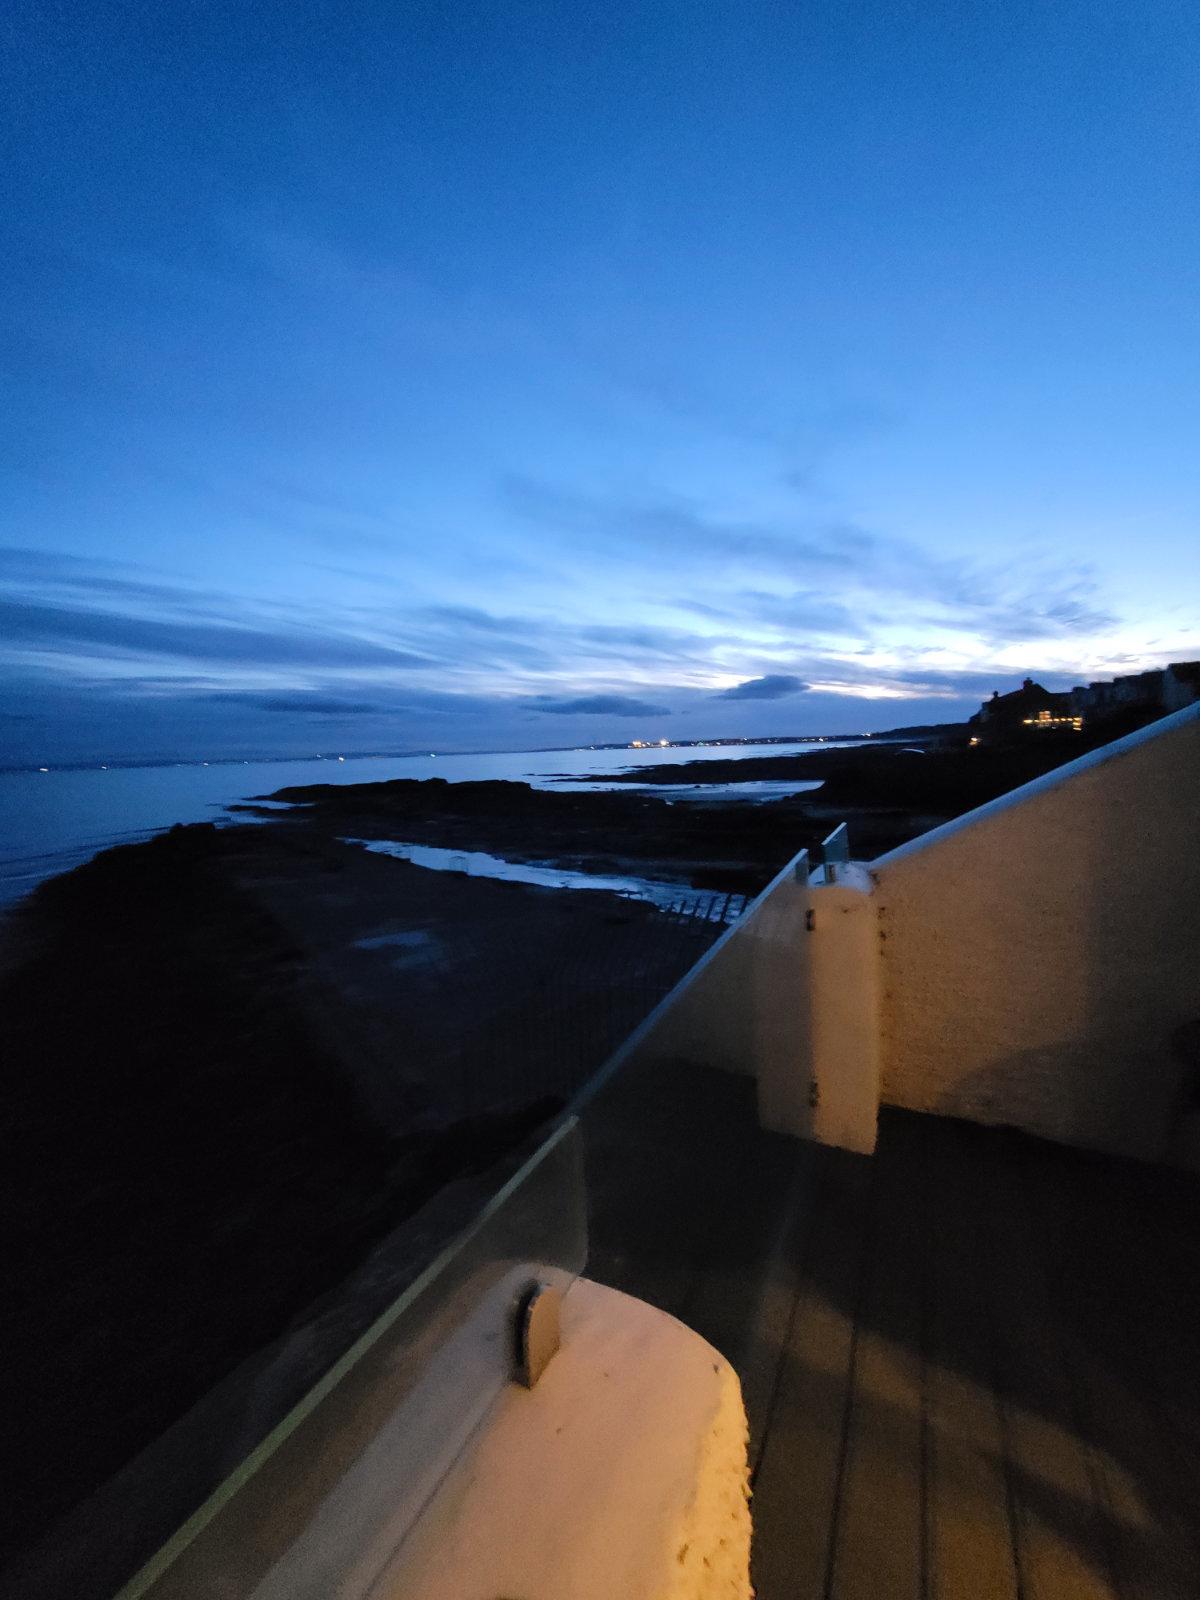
1045	720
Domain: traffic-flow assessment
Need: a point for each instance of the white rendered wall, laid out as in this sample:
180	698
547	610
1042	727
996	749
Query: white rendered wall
623	1472
831	1092
1026	964
788	995
1038	953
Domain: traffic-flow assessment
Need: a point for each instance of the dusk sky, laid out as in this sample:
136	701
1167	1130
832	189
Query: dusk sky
508	375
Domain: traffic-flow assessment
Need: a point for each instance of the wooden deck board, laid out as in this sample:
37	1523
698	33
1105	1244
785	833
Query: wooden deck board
1131	1342
971	1534
880	1530
744	1306
1064	1549
970	1363
797	1484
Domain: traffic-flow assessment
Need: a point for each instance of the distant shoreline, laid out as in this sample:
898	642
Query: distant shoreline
132	764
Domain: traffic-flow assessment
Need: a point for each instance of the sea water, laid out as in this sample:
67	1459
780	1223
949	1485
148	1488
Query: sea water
51	821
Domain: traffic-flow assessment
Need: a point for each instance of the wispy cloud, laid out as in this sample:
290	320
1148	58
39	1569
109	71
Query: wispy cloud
602	705
685	611
675	526
774	686
304	703
105	632
822	576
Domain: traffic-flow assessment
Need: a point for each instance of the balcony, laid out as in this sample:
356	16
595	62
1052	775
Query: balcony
969	1362
914	1147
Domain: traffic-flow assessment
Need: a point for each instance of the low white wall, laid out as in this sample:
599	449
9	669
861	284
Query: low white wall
623	1472
1038	953
829	1091
1026	964
788	995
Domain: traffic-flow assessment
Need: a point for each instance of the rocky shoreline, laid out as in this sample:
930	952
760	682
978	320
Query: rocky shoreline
887	794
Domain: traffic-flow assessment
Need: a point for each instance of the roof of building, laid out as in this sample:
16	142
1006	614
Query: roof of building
1030	696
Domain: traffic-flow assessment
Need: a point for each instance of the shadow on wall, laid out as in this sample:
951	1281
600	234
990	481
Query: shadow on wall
1041	953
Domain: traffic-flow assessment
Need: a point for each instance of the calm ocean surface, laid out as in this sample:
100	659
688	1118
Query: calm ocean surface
51	821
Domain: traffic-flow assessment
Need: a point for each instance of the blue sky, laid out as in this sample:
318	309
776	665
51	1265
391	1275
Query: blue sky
384	376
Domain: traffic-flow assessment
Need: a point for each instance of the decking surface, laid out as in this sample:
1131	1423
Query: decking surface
971	1363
